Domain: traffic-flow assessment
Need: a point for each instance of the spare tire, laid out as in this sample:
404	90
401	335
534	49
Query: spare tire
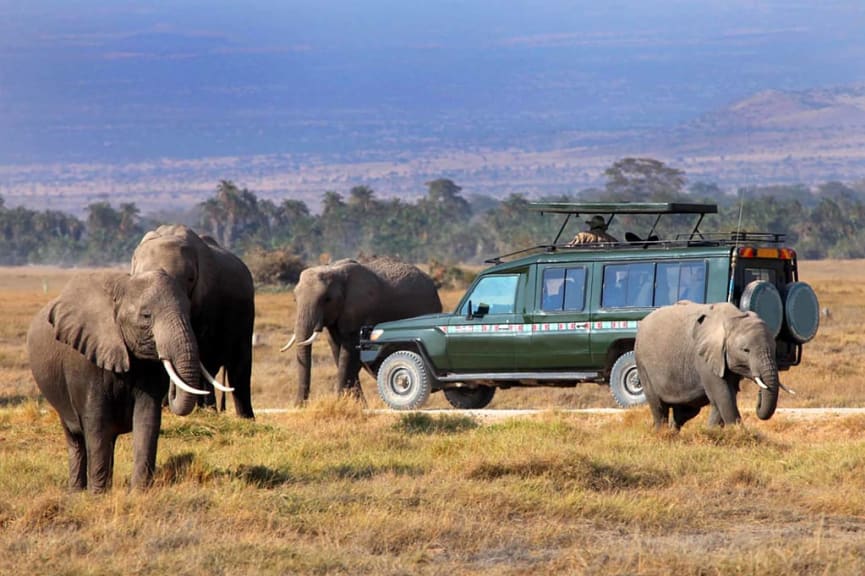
764	299
801	311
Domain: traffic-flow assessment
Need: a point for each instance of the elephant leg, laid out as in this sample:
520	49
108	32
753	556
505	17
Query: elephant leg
683	413
146	421
100	461
723	398
715	417
77	460
349	370
660	410
240	378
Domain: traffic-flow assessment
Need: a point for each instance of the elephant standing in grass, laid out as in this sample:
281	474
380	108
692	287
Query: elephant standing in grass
689	355
346	295
105	353
221	294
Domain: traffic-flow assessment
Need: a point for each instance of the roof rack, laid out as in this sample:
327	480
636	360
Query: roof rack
613	208
693	238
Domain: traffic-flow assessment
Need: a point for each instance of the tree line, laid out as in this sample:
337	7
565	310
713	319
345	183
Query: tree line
444	225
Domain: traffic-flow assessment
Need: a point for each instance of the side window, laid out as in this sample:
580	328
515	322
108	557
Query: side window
680	281
615	294
497	292
692	282
628	285
575	289
553	289
563	289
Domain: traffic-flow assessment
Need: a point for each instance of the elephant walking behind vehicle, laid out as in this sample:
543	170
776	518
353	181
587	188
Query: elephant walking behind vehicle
221	294
346	295
104	354
691	355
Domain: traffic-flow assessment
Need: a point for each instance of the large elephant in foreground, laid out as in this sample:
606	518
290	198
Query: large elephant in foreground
221	296
105	353
346	295
689	355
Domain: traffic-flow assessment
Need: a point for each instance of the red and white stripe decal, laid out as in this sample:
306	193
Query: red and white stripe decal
585	327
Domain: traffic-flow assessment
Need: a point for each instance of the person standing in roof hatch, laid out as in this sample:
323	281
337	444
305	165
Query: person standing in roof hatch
597	232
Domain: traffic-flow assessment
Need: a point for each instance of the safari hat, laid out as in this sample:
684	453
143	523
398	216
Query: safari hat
597	221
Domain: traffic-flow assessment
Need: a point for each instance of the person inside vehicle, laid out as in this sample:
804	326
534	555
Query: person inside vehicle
597	232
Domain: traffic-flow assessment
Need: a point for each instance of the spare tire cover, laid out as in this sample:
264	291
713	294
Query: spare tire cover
801	311
763	298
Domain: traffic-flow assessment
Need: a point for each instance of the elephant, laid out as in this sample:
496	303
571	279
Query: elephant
104	353
221	293
689	355
348	294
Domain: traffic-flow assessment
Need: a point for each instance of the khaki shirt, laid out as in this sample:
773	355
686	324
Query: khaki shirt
590	236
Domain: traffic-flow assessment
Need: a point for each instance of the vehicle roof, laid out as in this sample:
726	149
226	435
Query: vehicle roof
623	208
551	255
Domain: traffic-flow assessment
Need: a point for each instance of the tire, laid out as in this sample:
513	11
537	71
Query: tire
470	398
404	383
625	382
801	312
764	299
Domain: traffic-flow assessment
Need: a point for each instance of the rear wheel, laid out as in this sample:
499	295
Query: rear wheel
470	398
625	382
404	383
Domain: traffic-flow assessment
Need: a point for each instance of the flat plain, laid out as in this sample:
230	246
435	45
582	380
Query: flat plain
334	489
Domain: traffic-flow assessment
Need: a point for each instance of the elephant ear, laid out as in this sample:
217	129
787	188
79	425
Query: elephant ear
83	317
710	339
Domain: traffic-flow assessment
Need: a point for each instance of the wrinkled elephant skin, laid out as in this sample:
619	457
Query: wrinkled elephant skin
691	355
97	353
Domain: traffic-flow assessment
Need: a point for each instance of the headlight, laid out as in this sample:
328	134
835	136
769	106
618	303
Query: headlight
376	334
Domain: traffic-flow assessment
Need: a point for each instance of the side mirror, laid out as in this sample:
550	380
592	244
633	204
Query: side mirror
483	310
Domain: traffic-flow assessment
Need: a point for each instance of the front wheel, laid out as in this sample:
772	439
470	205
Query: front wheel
470	398
404	383
625	382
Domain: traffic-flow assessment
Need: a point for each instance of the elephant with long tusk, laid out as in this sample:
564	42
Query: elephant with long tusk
221	298
105	353
342	297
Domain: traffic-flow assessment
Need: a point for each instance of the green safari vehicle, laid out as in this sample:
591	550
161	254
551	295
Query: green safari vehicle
560	315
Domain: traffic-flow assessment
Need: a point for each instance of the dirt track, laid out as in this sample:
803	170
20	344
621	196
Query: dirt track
492	415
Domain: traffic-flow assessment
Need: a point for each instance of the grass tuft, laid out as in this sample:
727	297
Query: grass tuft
422	423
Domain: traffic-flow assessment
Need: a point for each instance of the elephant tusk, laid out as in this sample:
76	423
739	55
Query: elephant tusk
306	342
760	383
178	381
213	381
289	345
309	340
787	390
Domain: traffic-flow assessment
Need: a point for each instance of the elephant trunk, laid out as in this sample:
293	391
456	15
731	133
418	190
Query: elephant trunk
306	326
178	350
767	400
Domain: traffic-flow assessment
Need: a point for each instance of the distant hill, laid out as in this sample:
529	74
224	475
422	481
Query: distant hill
793	111
775	136
769	137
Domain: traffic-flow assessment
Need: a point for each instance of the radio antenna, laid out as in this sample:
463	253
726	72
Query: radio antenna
741	210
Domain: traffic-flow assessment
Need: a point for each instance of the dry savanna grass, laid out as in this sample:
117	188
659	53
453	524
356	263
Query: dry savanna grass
333	489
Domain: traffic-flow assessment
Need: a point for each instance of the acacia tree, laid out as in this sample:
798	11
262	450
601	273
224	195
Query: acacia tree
643	179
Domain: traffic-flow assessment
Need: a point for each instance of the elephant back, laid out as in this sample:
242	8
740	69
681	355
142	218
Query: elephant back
404	278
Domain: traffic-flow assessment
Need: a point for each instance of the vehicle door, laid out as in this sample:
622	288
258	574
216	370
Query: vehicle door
559	319
486	330
626	296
